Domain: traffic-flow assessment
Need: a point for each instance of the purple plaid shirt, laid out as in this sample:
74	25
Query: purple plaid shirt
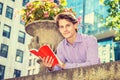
83	52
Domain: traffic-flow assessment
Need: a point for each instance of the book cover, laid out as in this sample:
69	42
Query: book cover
45	51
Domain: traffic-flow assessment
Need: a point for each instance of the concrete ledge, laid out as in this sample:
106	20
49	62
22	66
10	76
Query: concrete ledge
107	71
109	33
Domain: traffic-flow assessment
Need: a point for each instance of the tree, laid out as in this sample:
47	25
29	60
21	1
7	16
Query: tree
113	18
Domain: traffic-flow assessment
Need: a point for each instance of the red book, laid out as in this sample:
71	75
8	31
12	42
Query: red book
45	51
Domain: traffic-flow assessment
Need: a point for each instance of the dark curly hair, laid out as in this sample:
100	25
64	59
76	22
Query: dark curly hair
66	15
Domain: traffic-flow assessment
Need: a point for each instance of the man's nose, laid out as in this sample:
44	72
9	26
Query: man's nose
64	28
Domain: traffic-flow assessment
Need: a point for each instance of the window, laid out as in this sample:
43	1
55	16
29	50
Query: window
25	2
1	7
30	62
56	1
0	24
13	0
117	51
28	72
34	61
30	54
19	56
2	70
17	73
33	71
9	12
6	31
21	37
4	50
22	21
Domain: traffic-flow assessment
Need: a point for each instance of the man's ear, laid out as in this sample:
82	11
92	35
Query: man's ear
76	26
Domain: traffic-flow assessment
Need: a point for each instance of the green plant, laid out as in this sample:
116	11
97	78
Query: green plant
43	10
113	18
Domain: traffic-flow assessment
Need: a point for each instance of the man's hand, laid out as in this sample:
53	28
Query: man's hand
61	64
48	61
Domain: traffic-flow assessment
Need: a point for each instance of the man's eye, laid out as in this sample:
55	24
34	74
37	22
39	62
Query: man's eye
60	26
68	25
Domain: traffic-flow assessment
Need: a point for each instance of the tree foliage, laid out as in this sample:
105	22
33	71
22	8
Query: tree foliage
113	18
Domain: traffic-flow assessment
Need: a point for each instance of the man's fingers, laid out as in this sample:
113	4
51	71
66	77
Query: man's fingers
47	61
50	59
40	57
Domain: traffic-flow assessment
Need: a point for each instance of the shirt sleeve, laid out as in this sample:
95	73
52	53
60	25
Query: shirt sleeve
60	56
92	51
91	57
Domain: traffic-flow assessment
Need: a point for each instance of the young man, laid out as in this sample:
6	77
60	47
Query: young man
75	50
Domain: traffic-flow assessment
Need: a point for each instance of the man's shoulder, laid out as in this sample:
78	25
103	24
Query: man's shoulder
88	37
61	43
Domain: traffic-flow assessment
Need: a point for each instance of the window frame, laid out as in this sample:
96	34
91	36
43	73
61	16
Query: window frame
2	75
18	55
9	12
5	54
6	33
25	2
21	39
30	62
17	73
28	73
1	8
21	21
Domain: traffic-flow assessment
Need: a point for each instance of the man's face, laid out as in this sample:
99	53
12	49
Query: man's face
67	28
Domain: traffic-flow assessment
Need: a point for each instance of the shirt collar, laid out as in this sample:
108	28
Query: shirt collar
78	39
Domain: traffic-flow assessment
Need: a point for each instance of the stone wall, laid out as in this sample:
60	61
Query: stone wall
106	71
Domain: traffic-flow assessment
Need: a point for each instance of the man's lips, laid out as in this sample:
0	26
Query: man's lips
65	33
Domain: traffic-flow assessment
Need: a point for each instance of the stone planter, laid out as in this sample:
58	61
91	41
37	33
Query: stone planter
43	32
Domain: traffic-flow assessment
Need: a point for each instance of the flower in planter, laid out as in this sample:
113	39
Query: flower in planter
43	10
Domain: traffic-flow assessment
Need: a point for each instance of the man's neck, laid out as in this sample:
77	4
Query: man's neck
72	39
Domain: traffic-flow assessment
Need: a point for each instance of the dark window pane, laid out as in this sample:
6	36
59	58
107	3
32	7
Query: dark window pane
19	56
9	12
28	72
13	0
6	31
1	7
17	73
21	37
2	71
30	62
21	21
56	1
25	2
4	50
117	50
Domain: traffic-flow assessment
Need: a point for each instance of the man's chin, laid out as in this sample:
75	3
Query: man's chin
66	37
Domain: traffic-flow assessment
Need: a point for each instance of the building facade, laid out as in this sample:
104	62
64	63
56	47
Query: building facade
15	59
